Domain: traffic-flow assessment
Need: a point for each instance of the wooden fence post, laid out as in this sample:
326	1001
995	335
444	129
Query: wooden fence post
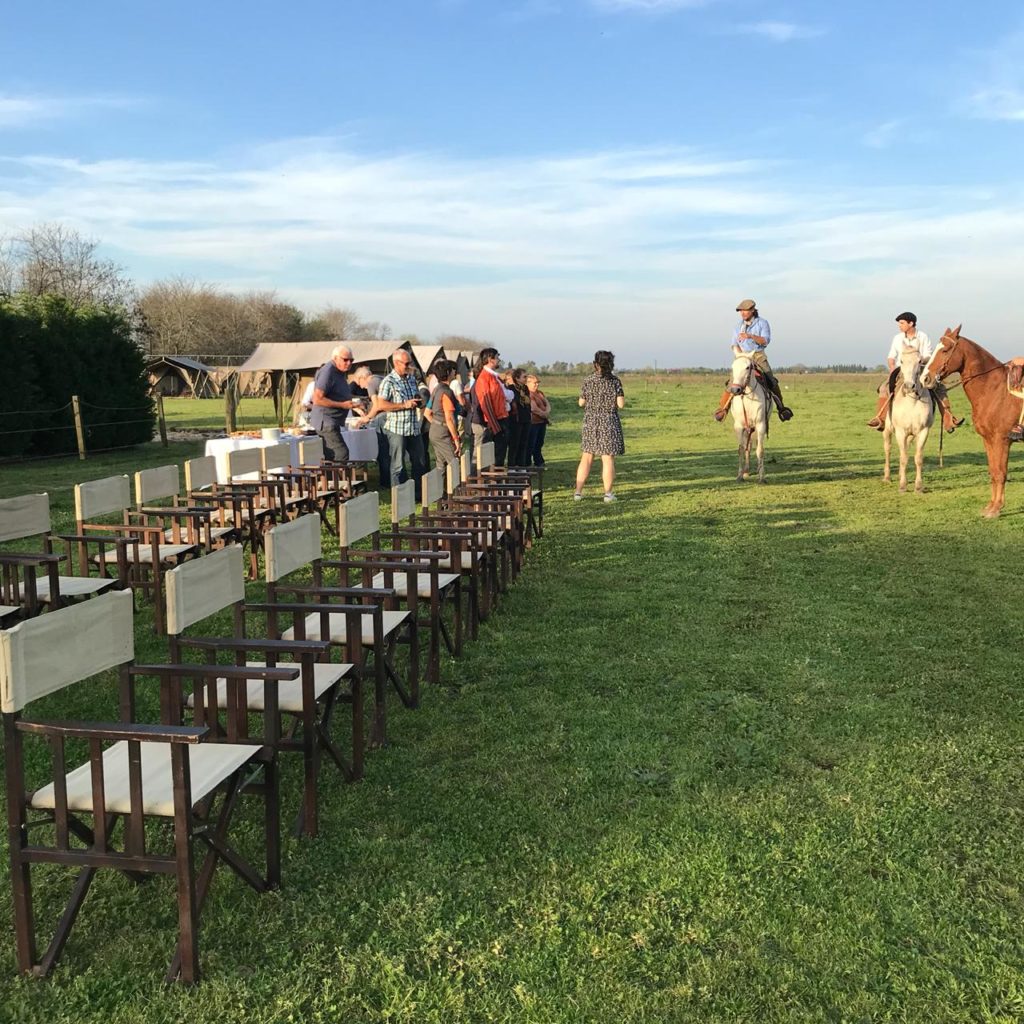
161	419
79	430
230	400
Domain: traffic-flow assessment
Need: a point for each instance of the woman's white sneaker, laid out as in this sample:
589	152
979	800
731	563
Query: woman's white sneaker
608	496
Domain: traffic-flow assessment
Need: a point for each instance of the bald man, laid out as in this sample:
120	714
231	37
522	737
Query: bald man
332	402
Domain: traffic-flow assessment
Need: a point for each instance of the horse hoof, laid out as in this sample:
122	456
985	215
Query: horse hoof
991	513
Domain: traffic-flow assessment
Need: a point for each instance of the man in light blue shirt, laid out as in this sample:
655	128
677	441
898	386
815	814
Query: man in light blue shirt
752	335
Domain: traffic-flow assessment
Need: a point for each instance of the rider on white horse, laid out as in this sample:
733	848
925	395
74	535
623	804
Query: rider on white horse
910	337
751	337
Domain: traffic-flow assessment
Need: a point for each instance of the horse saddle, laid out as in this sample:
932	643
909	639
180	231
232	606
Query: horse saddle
1015	380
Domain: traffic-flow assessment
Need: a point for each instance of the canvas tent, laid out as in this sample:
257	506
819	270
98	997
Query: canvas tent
427	355
177	376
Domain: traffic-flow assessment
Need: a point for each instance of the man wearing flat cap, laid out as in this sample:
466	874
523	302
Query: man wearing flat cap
909	336
751	336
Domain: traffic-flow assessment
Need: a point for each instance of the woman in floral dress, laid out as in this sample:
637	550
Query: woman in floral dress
601	397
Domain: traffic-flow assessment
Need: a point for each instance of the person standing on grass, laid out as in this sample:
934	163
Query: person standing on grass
399	397
601	397
332	402
540	417
489	415
519	446
443	415
368	384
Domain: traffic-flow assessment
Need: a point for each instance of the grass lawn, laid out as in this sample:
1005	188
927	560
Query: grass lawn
728	753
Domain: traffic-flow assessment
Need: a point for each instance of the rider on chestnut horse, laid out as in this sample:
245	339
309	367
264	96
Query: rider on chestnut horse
751	337
1015	385
911	337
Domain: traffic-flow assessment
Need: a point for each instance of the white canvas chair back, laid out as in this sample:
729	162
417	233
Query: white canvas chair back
244	464
275	456
156	483
358	518
455	473
311	451
432	486
203	587
43	655
292	545
25	516
200	474
403	501
485	455
102	497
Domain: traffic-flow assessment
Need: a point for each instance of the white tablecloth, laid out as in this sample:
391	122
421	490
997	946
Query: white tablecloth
362	447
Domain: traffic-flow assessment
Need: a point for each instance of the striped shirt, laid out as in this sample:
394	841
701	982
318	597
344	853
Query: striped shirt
400	388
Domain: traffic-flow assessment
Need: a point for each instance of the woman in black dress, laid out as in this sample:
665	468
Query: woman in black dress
601	397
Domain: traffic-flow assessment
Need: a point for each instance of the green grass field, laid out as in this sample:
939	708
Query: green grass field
728	753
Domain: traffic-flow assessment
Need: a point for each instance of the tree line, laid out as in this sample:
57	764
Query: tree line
178	315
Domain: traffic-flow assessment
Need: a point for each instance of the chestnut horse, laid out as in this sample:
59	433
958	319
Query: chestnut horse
994	409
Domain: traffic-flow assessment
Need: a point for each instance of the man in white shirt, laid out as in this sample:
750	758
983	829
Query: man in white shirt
909	336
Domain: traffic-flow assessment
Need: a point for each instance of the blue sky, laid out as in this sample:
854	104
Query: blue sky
552	175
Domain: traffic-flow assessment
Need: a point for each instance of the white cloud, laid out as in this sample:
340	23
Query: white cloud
556	253
882	134
18	111
995	89
1004	103
780	31
646	6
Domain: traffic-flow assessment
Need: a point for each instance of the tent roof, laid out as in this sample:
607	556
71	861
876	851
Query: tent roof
426	354
310	355
182	361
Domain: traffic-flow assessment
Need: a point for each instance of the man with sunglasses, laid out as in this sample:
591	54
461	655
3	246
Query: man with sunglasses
332	402
399	397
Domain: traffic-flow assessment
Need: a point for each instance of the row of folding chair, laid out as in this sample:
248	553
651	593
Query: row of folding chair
120	544
232	700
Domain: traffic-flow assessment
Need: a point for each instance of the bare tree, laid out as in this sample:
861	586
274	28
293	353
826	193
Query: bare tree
341	322
54	259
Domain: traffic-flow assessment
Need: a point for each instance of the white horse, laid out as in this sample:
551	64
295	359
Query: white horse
910	416
749	414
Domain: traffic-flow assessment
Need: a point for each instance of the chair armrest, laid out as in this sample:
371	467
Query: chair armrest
116	731
281	675
372	592
303	606
246	644
30	558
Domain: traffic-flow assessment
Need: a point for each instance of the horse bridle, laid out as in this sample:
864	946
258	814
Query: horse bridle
964	380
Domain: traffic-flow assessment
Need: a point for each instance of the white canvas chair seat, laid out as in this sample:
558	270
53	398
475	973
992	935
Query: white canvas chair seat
336	627
164	552
209	763
216	532
73	586
289	694
400	583
465	557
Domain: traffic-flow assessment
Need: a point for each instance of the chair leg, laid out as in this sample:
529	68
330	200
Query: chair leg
185	965
67	920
